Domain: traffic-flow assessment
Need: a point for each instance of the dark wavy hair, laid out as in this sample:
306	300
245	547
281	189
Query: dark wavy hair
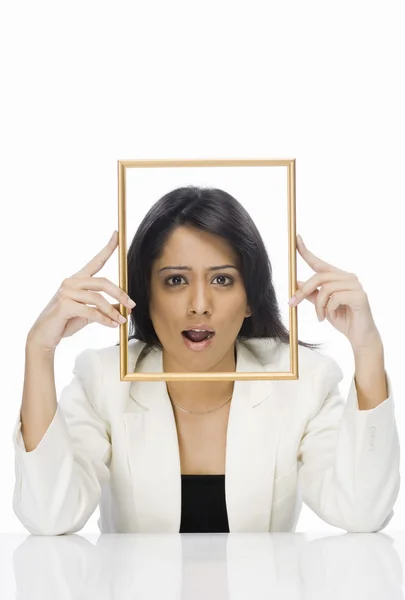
217	212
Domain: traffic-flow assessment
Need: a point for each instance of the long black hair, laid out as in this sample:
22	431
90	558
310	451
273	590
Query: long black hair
217	212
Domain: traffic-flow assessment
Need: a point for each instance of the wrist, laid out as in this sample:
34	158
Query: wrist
372	345
34	349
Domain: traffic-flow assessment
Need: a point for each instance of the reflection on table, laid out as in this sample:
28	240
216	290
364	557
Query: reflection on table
207	566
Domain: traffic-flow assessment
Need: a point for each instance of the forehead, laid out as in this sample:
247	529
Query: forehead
185	241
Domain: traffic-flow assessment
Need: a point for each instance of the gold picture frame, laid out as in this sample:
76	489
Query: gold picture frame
289	163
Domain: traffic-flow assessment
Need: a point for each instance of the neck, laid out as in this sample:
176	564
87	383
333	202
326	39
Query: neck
200	395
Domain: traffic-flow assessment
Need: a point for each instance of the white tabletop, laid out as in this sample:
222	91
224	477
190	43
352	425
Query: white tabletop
215	566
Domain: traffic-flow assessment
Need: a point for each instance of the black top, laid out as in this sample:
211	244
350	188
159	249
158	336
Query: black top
203	506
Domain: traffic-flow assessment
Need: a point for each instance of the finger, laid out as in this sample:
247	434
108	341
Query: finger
324	295
71	309
97	263
117	307
104	285
316	263
309	286
356	299
95	299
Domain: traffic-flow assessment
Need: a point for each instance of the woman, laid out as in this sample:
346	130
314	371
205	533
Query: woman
204	456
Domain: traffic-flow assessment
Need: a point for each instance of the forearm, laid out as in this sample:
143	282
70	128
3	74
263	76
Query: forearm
370	377
39	402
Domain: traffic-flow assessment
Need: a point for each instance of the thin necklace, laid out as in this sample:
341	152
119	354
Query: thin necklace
197	412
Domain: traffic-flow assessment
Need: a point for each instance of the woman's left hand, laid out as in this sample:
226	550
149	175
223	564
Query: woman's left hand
341	300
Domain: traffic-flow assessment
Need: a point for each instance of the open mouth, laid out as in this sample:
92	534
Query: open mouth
198	336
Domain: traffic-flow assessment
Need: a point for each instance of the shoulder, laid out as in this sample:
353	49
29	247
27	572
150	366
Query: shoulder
105	361
275	356
272	354
98	370
318	374
98	367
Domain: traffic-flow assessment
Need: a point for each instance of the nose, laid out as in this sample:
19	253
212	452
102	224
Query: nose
200	300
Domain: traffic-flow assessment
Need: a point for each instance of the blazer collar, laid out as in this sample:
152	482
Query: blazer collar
249	357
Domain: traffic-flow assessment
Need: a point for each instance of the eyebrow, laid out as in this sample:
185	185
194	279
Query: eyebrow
187	268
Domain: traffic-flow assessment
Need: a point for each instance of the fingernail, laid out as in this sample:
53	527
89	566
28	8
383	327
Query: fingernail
292	300
131	303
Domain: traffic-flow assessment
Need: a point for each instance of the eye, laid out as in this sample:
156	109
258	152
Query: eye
173	277
225	277
218	276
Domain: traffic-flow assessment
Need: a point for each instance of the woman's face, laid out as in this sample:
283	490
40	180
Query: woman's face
194	294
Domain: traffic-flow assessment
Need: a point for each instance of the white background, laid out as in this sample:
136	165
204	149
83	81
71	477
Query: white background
87	83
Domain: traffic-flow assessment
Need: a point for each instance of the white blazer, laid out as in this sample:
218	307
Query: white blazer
114	444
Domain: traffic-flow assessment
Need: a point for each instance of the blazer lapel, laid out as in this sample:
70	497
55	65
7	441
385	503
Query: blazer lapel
153	450
255	422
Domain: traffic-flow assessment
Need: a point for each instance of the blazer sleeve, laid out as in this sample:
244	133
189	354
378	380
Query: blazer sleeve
58	484
350	458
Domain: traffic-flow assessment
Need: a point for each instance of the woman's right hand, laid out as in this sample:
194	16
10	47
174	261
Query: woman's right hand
68	310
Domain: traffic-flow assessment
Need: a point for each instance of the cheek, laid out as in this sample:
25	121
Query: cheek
232	317
164	315
158	306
